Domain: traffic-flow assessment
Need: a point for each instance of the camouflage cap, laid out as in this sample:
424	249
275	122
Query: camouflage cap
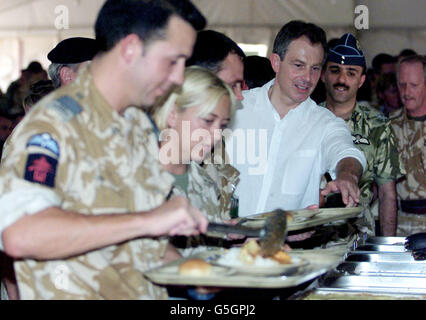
347	51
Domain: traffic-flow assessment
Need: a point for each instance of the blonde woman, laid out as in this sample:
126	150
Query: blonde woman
190	120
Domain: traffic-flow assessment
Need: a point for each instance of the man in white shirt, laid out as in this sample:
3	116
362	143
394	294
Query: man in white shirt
289	141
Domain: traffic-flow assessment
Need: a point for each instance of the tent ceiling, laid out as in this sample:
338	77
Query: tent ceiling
28	30
40	15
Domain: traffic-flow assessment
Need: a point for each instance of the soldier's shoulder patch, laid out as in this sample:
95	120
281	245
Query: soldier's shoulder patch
44	141
41	169
381	117
66	106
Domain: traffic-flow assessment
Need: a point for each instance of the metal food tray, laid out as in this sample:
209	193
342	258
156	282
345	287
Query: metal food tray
384	269
371	256
320	261
380	248
303	219
395	241
377	265
374	284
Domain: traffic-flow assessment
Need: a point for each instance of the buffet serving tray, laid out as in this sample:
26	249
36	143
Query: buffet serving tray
371	256
303	219
320	261
396	241
384	269
374	284
380	248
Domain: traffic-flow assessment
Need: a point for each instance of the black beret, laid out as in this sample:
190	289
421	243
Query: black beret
347	51
73	50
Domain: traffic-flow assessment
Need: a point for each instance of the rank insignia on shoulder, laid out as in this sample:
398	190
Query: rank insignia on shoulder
67	107
41	169
358	139
44	141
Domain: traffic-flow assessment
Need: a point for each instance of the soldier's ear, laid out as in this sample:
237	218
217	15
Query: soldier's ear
67	75
131	47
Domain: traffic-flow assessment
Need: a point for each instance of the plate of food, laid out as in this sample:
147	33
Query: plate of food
196	268
292	216
249	260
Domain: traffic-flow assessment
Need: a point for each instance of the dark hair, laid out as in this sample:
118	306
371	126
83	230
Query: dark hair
386	81
296	29
257	71
381	59
37	91
211	48
407	52
34	67
146	18
332	43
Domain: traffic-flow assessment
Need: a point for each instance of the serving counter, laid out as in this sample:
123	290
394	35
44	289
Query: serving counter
375	268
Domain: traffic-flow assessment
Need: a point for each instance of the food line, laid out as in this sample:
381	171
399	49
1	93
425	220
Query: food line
367	268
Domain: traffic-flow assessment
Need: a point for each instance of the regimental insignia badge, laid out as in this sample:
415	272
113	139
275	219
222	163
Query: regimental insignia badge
357	45
358	139
41	169
44	141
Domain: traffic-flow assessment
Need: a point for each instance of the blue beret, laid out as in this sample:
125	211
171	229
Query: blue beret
347	51
73	50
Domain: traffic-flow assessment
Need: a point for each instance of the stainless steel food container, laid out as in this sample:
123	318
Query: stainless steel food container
377	265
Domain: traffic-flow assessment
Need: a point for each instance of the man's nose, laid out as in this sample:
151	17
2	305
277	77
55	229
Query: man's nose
177	76
342	78
238	93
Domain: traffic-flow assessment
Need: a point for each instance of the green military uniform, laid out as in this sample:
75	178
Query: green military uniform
411	144
372	134
76	151
208	188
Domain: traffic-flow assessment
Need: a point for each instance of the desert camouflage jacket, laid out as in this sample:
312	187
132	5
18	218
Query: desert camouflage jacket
411	144
210	189
94	161
373	135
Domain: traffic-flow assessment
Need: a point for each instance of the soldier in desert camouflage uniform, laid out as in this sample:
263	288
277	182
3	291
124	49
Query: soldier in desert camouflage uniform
200	109
220	54
83	195
409	126
371	132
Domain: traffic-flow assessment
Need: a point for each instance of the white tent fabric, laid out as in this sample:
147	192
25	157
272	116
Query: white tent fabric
30	28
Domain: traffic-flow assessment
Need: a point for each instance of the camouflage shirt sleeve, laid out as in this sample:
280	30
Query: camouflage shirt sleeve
387	165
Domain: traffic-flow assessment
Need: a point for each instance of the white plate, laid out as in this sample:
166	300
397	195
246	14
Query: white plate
216	270
299	215
279	269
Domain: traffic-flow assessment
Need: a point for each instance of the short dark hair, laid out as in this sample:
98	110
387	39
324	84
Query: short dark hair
294	30
146	18
257	71
386	81
407	52
211	48
37	91
381	59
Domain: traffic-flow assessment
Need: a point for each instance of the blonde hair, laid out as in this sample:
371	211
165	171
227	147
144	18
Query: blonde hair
201	88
